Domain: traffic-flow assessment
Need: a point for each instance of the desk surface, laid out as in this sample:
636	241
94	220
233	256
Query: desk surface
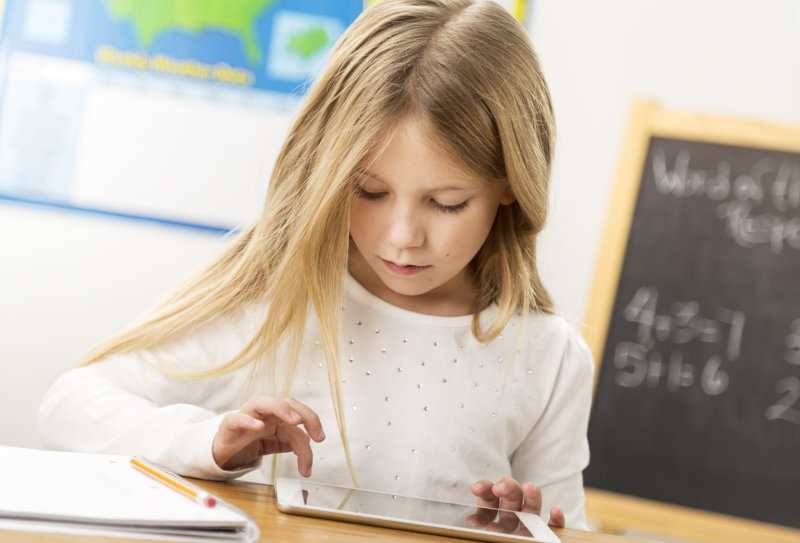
276	527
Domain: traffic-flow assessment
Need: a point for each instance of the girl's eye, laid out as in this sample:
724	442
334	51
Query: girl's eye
361	193
444	208
455	208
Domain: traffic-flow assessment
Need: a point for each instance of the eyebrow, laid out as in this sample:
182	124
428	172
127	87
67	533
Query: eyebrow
442	188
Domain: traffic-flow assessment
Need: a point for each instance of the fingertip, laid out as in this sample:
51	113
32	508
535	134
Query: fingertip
485	486
256	424
529	489
557	517
500	489
493	527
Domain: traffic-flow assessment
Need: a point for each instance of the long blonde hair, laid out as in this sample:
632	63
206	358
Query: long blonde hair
469	70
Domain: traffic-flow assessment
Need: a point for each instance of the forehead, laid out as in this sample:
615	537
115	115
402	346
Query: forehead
410	151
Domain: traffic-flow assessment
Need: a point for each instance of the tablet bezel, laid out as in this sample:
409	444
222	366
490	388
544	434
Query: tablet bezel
287	490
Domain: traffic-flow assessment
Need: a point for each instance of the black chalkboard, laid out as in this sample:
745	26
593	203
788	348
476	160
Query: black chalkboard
697	400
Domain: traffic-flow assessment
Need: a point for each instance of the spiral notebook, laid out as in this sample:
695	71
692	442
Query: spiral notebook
98	494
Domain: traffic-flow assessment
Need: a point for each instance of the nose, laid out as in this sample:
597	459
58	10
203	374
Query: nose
405	229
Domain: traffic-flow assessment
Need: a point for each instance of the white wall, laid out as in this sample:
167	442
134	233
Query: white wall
728	57
67	280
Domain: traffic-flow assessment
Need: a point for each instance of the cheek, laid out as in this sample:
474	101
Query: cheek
465	238
361	222
481	230
356	215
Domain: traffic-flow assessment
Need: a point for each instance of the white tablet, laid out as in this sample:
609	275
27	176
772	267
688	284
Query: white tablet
381	509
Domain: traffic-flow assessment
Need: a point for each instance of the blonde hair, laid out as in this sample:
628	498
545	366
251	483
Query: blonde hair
469	71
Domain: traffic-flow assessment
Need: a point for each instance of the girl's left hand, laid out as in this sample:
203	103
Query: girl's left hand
509	494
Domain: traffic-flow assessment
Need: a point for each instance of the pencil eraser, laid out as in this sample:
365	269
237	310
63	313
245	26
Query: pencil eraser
209	501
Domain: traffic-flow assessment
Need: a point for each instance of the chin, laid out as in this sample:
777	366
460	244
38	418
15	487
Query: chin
402	288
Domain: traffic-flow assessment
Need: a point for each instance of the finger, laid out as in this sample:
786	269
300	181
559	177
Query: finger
483	490
288	443
239	428
311	421
557	517
481	517
507	523
510	493
236	431
289	411
533	499
267	407
299	444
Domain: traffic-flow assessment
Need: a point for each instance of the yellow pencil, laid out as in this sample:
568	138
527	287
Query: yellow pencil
171	480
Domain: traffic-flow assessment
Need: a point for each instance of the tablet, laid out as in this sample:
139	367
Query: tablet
389	510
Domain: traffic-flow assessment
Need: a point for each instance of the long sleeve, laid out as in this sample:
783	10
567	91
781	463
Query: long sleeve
556	450
123	405
404	376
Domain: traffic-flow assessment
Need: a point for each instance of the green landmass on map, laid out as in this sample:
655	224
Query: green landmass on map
308	42
152	17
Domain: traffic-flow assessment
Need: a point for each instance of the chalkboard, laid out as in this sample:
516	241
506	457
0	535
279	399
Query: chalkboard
697	401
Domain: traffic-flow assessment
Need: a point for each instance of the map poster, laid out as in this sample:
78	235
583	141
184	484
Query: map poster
161	109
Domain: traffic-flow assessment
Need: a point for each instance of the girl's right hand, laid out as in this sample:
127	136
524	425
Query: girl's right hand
266	425
509	495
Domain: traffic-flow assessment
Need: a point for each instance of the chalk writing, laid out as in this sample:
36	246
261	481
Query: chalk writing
785	408
788	388
792	343
700	364
768	183
640	362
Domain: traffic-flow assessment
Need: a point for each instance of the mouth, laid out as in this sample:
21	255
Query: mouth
403	269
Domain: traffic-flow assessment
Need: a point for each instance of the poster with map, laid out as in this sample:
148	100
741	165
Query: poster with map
162	110
91	87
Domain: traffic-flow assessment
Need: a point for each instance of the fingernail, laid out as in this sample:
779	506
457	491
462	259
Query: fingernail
320	435
500	487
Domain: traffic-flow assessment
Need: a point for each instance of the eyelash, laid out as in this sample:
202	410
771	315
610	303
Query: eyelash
450	209
361	193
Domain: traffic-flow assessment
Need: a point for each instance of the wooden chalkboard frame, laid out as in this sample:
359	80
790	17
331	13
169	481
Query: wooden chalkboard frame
617	512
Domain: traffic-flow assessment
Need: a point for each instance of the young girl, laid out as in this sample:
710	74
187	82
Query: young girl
388	293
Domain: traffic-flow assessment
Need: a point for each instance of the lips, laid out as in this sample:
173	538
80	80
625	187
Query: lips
403	269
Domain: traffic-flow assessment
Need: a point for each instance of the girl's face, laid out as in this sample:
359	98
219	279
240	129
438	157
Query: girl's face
417	220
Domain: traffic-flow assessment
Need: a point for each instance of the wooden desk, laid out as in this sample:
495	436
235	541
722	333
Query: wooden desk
259	502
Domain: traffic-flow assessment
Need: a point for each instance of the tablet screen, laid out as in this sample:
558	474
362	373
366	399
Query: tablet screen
382	509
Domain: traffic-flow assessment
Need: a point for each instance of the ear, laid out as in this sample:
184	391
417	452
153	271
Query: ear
507	197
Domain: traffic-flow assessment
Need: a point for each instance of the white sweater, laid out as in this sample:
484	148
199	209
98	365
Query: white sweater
429	410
